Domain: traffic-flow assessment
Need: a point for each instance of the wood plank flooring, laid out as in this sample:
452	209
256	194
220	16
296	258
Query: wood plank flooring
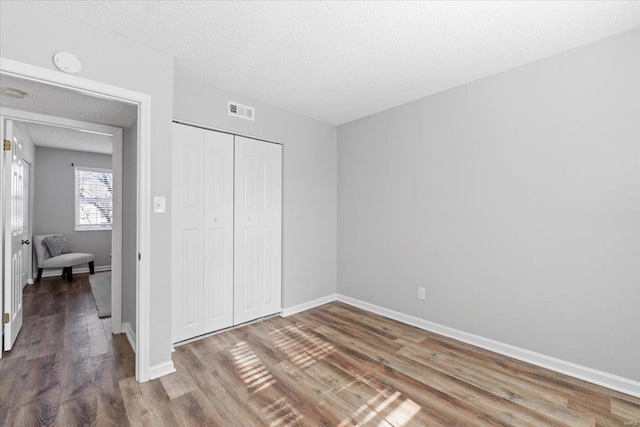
334	365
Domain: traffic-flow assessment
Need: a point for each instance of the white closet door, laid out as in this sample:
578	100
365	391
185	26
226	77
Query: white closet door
202	223
257	259
188	233
270	228
218	231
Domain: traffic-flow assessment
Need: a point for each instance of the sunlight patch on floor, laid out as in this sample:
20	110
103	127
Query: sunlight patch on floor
389	404
372	408
302	348
252	371
403	413
280	413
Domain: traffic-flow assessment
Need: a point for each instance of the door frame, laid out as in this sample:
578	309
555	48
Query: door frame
143	103
116	168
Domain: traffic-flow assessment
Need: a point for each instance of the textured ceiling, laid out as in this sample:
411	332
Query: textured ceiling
68	139
339	61
60	102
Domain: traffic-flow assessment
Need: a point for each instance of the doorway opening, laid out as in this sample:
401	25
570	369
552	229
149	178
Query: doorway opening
138	180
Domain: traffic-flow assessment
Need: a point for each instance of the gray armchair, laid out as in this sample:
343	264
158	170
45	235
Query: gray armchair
64	261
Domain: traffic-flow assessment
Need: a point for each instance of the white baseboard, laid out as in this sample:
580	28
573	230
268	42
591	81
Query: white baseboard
161	370
53	272
131	336
307	305
604	379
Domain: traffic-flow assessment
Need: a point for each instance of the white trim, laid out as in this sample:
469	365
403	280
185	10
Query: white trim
79	84
30	117
223	330
307	305
143	102
227	131
116	232
131	336
143	290
92	169
2	254
116	170
55	272
6	242
604	379
160	370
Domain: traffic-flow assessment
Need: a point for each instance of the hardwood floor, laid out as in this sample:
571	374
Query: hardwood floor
65	366
334	365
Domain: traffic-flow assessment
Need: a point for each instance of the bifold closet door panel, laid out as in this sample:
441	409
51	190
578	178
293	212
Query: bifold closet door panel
202	239
247	212
270	254
257	247
218	231
188	233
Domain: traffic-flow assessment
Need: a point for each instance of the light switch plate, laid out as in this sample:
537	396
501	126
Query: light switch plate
159	205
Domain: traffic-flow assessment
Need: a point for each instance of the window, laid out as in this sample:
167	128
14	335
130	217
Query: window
94	199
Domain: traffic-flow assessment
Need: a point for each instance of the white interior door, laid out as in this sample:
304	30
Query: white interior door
270	255
202	293
218	231
257	237
15	234
188	233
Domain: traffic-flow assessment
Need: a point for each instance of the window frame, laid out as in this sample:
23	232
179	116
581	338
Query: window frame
92	227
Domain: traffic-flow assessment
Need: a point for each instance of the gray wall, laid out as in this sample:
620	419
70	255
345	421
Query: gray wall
32	35
129	223
54	200
309	183
514	200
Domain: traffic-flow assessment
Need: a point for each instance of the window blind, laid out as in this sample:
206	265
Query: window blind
94	198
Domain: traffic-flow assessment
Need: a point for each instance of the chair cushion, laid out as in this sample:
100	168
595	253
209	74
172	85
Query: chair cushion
57	245
41	250
66	260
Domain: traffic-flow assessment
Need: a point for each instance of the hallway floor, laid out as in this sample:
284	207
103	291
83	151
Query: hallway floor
65	366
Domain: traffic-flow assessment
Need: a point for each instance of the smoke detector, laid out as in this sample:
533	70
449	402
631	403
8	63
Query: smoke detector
244	112
67	62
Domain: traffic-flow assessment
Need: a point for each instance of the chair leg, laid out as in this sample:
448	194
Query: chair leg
92	269
64	272
69	274
39	274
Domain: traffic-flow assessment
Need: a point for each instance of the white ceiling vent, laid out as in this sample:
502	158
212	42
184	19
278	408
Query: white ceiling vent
242	111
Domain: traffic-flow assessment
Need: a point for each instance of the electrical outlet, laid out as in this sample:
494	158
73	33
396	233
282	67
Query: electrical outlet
421	293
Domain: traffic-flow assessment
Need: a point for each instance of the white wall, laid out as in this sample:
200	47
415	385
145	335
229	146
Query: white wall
54	189
515	200
309	183
32	35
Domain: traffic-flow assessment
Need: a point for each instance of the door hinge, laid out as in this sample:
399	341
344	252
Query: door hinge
5	318
139	256
6	146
